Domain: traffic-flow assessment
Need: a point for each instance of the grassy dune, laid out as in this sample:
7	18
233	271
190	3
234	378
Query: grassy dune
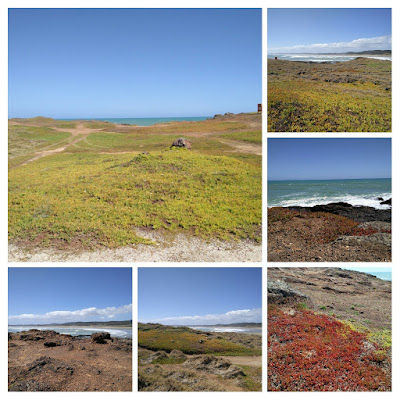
352	96
190	342
182	359
167	338
24	140
101	187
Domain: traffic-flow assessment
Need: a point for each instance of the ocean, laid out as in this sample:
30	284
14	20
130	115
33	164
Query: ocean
357	192
140	121
324	57
227	329
386	276
76	330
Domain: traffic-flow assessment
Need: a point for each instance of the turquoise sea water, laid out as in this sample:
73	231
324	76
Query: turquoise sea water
323	57
357	192
386	276
140	121
76	331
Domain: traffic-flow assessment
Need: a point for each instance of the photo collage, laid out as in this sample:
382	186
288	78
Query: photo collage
199	199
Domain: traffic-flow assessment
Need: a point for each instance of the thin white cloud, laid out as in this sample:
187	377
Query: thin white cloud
363	44
230	317
84	315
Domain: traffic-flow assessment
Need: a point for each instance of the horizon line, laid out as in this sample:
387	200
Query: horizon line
330	179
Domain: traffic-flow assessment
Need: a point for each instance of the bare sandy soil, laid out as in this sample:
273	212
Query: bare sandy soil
167	249
255	361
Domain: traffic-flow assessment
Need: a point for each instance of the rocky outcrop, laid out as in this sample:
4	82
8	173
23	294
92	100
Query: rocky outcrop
356	213
282	293
100	337
351	294
49	361
215	365
182	142
387	202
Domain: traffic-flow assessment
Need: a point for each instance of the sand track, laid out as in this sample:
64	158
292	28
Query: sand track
77	134
183	249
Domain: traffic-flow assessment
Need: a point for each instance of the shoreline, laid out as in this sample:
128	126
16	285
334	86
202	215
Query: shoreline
357	213
350	58
74	326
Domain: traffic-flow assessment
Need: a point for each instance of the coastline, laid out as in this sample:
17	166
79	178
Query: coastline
328	58
141	121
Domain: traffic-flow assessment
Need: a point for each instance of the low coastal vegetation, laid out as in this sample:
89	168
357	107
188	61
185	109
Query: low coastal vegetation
315	352
189	341
94	184
351	96
329	329
184	359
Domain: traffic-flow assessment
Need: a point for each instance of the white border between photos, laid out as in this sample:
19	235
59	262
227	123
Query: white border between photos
196	4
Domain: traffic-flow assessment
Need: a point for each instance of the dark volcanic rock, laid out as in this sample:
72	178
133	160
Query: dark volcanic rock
50	364
51	344
182	142
389	202
356	213
100	337
281	293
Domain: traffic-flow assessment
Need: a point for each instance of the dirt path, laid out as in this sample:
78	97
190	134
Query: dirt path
243	147
250	361
77	134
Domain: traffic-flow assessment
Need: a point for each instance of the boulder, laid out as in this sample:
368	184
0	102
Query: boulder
100	337
281	293
182	142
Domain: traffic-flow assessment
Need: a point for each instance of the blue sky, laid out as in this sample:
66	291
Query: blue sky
77	63
306	159
190	296
313	30
56	295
